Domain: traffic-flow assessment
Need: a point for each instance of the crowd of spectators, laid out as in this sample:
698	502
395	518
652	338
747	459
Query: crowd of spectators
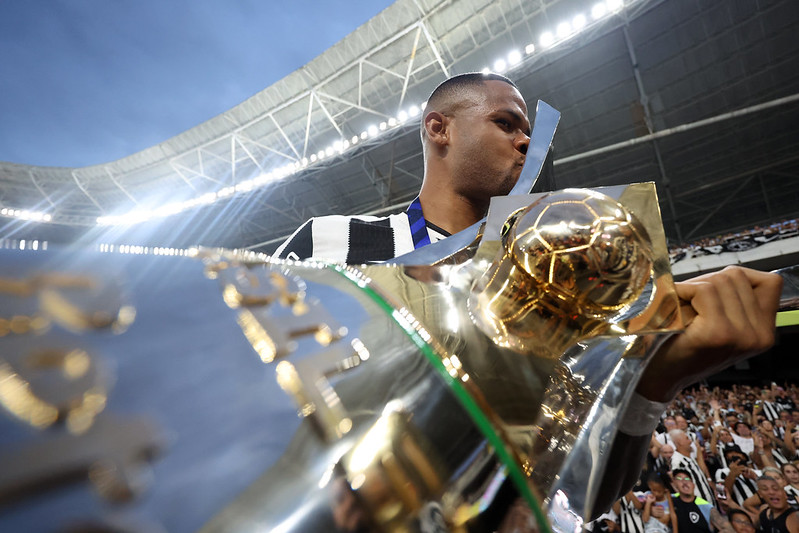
721	460
735	242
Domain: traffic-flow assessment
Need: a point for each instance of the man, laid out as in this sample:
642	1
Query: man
475	134
767	406
739	478
741	522
663	463
682	460
779	517
682	424
694	514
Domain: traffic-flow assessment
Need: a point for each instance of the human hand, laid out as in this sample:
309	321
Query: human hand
731	315
649	498
749	473
657	511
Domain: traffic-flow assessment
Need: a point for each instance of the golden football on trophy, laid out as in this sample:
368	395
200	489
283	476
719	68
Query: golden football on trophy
567	264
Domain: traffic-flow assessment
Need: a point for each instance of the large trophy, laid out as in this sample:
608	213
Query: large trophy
222	391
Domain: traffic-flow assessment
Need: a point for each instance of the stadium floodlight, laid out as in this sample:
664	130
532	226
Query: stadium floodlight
615	5
207	198
392	122
500	66
546	39
313	158
579	22
563	30
402	116
599	10
486	70
514	57
383	126
244	186
372	130
414	110
354	139
529	49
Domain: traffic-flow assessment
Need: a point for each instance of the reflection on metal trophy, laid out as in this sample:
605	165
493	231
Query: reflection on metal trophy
479	394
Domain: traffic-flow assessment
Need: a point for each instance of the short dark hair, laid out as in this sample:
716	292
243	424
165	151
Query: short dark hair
453	89
731	450
732	512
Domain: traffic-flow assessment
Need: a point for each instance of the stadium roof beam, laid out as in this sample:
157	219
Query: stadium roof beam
644	101
718	207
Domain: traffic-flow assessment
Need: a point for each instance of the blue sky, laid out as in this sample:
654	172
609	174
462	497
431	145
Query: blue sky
84	82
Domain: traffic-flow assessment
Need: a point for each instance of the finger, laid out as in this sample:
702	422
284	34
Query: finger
767	285
759	292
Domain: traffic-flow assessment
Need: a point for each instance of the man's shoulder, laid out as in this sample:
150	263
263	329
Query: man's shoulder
344	238
677	456
702	502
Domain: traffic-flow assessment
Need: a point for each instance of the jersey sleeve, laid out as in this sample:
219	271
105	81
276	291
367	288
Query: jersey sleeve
299	246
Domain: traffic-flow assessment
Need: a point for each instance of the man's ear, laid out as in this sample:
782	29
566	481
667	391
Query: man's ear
436	127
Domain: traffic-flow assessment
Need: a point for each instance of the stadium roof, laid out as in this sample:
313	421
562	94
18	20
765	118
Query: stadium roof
701	97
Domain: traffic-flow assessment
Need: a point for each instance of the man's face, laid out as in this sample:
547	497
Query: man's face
681	422
772	493
682	441
725	436
488	141
742	429
741	523
669	424
666	451
683	483
795	417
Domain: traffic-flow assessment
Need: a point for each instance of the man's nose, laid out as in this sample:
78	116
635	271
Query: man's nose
522	143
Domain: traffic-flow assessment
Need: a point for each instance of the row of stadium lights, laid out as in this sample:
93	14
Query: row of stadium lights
23	244
337	148
130	249
563	31
24	214
126	249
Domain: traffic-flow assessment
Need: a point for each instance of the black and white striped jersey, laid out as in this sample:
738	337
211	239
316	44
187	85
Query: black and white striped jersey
702	487
353	239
